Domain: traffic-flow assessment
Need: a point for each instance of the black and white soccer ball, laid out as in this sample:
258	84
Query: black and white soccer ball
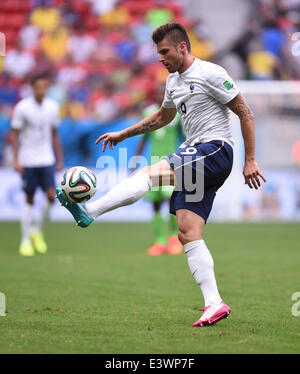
79	184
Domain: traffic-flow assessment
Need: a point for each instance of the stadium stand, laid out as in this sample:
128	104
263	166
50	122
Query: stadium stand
103	63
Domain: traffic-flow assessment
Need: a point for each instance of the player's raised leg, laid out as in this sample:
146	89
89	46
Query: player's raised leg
190	227
133	188
125	193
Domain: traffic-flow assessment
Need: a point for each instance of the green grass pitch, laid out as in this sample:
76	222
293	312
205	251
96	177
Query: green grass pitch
96	291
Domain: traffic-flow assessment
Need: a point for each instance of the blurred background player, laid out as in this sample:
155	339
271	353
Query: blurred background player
162	142
35	144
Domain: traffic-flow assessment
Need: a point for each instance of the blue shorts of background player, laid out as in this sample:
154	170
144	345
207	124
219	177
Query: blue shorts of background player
43	177
200	170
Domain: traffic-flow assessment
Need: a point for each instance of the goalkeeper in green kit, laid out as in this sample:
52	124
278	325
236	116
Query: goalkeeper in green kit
162	142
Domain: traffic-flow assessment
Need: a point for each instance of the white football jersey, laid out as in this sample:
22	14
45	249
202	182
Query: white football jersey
35	122
199	94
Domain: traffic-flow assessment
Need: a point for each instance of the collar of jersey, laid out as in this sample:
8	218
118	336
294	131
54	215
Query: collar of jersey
189	68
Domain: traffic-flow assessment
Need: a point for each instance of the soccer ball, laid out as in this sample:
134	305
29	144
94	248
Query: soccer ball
79	184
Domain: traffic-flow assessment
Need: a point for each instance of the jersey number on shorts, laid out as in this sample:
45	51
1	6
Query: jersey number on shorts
189	151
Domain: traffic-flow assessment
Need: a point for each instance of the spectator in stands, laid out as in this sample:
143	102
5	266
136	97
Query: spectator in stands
80	45
100	7
241	45
127	47
202	48
29	37
158	16
54	44
291	60
18	63
67	13
119	16
70	73
9	92
43	64
113	62
262	64
105	110
273	39
46	17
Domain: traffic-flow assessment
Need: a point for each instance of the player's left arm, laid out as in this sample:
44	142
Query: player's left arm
57	149
251	170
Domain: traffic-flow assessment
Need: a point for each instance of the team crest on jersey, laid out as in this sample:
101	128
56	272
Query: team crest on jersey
192	87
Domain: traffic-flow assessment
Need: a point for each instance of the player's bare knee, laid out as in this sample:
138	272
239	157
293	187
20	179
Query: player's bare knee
147	170
50	195
30	199
187	235
161	174
153	174
51	199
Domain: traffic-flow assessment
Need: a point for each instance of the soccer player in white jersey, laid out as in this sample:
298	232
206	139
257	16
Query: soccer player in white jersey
203	93
35	144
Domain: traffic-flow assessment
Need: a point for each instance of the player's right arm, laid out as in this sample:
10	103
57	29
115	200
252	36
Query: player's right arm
153	122
14	138
16	124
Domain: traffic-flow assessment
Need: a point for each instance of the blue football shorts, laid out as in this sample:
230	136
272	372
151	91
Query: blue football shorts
200	170
43	177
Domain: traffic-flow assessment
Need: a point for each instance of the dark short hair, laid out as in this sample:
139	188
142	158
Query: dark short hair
37	77
174	31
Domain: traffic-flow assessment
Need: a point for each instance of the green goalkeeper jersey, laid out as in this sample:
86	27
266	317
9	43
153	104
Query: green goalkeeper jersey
163	141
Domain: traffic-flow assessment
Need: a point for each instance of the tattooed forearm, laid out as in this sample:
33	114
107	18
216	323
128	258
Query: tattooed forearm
142	128
242	110
153	122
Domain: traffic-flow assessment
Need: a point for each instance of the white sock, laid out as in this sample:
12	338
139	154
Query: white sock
26	219
38	225
126	192
202	267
